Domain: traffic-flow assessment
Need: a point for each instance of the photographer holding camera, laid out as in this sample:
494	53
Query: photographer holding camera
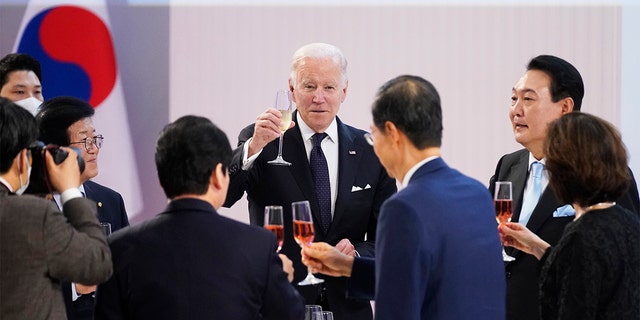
38	244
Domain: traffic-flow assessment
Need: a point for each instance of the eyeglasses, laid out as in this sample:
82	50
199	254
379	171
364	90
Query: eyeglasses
369	138
88	142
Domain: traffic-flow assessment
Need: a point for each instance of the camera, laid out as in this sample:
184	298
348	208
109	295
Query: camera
39	183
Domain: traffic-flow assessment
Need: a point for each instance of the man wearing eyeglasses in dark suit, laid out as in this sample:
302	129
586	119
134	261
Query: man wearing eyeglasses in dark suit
67	121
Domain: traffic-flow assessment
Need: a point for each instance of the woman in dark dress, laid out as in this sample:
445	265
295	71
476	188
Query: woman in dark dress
594	270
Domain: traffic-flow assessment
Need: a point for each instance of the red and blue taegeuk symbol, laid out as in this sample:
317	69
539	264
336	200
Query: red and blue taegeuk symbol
75	50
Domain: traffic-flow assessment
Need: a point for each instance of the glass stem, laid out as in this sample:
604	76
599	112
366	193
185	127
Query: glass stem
280	146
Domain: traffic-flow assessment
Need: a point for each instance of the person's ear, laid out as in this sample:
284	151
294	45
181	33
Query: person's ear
391	131
344	91
218	176
567	105
22	158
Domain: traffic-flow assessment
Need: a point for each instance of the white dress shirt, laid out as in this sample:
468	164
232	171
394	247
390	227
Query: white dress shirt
329	148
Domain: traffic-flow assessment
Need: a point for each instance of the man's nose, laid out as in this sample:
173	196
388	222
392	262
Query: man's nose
318	96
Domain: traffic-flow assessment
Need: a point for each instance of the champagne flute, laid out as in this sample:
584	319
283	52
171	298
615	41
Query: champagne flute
303	233
284	105
502	201
311	309
273	223
106	228
322	315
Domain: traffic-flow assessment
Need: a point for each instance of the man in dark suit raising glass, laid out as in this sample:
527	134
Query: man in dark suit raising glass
345	192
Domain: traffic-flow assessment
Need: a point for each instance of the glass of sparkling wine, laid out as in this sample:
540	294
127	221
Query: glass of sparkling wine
303	233
273	223
284	105
322	315
502	201
311	309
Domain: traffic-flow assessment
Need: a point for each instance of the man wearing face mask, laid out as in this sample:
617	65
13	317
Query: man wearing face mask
20	81
39	244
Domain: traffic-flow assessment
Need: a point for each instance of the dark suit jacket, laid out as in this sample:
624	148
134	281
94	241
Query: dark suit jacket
422	231
522	273
39	246
355	213
110	206
362	283
190	263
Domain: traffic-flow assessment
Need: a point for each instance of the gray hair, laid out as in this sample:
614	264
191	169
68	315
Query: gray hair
319	51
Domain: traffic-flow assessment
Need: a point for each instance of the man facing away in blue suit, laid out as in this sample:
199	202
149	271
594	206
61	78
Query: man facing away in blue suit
438	252
67	121
189	262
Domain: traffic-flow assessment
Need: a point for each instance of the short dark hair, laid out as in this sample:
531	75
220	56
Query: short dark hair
565	78
56	115
412	104
187	152
586	159
16	62
18	130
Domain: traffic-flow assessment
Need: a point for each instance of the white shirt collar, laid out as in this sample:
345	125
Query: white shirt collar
6	184
58	199
409	174
532	159
307	132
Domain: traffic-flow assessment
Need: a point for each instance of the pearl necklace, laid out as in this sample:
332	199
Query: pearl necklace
599	206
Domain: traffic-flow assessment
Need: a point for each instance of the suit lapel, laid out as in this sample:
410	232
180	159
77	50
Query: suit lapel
90	193
349	155
543	210
518	177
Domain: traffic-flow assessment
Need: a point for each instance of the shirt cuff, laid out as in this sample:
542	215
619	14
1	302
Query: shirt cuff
69	194
74	293
247	163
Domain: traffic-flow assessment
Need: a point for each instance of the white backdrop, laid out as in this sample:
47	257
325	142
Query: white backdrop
226	62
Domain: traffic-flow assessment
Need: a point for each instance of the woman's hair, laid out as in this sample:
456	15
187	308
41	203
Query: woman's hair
586	160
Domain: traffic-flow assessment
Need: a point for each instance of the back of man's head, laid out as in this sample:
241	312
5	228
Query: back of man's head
565	78
187	152
56	115
16	62
412	104
17	131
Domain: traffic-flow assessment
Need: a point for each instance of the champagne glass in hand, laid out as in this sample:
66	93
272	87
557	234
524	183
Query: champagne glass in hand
284	105
273	222
303	233
502	201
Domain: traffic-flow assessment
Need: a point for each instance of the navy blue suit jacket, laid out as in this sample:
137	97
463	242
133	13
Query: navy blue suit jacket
438	254
189	262
522	273
355	214
111	209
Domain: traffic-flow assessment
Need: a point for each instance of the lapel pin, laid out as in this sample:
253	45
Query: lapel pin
99	204
352	152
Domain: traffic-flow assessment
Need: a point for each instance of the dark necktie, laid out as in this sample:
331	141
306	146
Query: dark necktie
320	174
